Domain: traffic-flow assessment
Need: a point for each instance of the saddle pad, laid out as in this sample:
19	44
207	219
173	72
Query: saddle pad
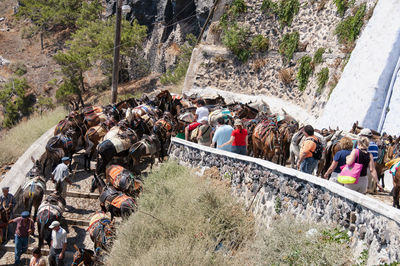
392	162
54	209
187	117
97	217
117	202
118	144
164	124
115	171
36	181
394	168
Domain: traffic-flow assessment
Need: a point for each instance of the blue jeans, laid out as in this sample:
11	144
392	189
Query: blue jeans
308	165
239	150
21	246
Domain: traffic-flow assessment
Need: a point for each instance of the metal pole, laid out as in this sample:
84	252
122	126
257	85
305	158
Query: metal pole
117	42
210	15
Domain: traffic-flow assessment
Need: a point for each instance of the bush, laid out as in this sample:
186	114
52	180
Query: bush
286	75
237	7
291	242
341	6
322	78
192	219
269	7
236	39
318	56
260	43
179	72
284	9
15	102
304	72
19	68
349	29
289	44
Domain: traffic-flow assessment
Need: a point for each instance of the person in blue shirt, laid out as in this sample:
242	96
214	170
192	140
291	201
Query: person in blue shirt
222	135
346	145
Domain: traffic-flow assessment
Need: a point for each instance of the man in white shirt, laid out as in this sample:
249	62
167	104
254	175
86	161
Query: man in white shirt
201	112
58	244
61	173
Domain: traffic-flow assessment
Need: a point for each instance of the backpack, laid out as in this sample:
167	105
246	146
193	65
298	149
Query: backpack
317	154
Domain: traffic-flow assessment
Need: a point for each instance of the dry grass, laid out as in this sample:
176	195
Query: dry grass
219	59
258	64
15	141
174	49
286	75
193	215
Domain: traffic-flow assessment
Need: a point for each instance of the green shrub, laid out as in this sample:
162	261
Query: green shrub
318	56
19	68
349	29
322	78
237	7
179	72
269	7
341	6
287	9
284	9
289	44
45	103
304	72
14	101
236	39
260	43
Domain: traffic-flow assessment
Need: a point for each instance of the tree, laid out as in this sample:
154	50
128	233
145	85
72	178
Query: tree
14	101
91	45
47	15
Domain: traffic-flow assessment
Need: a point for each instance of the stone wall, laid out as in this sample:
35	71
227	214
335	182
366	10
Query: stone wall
371	224
316	25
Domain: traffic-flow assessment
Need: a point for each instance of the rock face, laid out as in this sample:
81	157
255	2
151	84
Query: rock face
277	190
262	74
168	22
361	92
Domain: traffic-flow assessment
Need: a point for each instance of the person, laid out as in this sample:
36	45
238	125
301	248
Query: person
222	135
239	139
307	162
374	150
366	159
58	244
61	174
201	112
37	258
24	229
8	202
346	145
204	135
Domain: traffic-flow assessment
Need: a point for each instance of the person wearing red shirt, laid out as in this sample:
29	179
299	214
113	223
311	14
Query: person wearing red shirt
239	139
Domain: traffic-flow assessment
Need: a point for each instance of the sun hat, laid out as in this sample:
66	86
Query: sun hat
238	122
25	214
54	224
365	132
65	159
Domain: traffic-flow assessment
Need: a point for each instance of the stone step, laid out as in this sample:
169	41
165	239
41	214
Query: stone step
10	247
77	222
74	194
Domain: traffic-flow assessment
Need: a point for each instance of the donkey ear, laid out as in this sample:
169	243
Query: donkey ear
76	247
33	159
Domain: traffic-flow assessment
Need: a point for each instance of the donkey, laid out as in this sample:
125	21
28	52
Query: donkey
148	146
116	143
92	138
50	210
117	203
101	230
83	256
123	180
34	188
266	140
